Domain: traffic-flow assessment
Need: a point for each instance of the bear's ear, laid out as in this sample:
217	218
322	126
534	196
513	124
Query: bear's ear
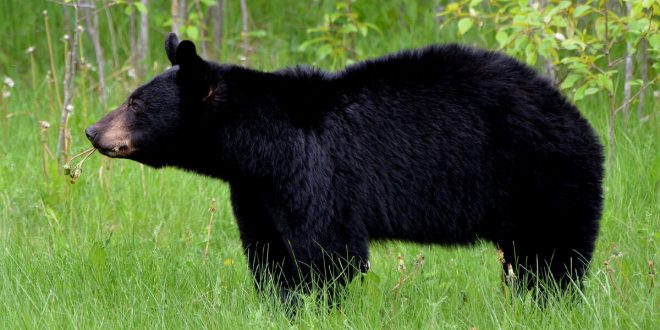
186	56
194	75
171	43
190	64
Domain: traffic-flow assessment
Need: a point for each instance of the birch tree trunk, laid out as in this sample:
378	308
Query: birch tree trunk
132	41
90	14
245	44
218	19
547	62
112	32
179	12
202	29
645	78
176	20
628	75
143	41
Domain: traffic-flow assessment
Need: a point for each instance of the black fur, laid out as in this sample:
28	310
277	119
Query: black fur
442	145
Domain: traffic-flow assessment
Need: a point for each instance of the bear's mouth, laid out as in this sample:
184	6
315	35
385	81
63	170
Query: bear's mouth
113	142
123	149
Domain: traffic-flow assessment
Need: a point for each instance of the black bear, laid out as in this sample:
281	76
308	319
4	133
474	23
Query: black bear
445	144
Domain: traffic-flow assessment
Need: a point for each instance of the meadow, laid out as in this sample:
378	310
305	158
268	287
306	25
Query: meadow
124	247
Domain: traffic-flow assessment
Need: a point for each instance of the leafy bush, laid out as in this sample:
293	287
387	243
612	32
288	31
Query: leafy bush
576	40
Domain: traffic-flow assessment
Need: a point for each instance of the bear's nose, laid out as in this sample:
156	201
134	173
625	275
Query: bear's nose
91	133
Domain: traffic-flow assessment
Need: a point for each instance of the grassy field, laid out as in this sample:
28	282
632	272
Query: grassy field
124	247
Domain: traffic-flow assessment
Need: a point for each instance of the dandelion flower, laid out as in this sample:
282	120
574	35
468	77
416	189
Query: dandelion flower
9	82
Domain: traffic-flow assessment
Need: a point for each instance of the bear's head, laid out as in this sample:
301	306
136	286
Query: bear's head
162	122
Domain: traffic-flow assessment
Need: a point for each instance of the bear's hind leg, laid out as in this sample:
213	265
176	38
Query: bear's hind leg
553	239
554	207
543	266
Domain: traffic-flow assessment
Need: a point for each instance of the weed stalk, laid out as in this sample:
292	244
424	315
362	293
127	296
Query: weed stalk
208	230
45	151
52	58
651	275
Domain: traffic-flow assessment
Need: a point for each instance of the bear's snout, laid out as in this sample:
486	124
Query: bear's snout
91	132
111	135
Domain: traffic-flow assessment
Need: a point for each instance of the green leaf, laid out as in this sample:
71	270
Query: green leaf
564	4
638	25
654	41
605	81
373	27
531	54
590	91
258	34
570	81
323	52
348	28
579	93
140	7
364	29
464	25
474	3
308	43
581	10
551	13
559	21
167	23
502	38
192	32
452	7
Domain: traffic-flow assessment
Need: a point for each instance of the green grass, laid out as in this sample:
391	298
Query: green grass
123	247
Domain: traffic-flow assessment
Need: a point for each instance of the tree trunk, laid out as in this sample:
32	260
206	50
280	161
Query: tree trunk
215	20
143	41
610	94
202	29
245	44
174	9
547	62
218	27
628	75
112	32
645	78
132	41
90	15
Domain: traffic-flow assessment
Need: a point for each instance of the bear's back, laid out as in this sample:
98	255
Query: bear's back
433	135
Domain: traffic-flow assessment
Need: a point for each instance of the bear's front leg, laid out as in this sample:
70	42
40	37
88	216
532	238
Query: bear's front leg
326	252
267	256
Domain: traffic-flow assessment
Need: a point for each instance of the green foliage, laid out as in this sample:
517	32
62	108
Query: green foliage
334	40
570	35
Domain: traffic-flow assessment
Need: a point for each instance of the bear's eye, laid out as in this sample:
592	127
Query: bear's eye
133	104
